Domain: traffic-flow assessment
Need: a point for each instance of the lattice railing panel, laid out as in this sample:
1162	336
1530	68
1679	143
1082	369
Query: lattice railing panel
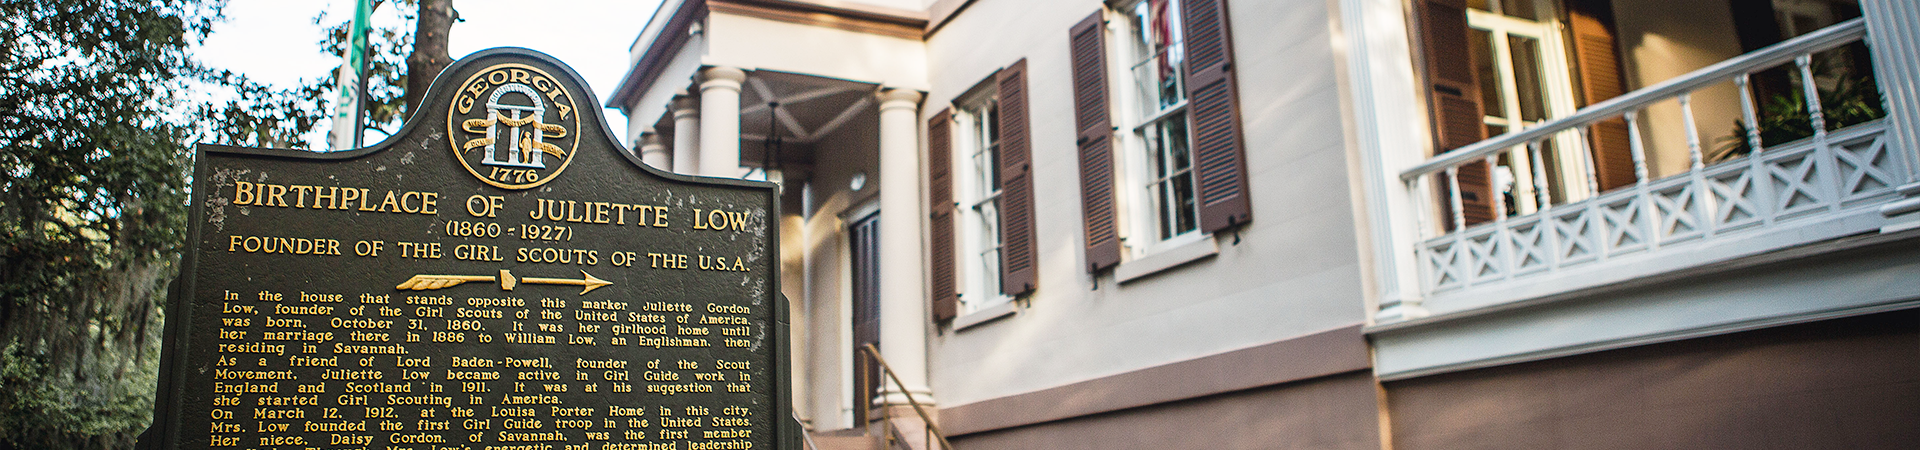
1558	222
1808	179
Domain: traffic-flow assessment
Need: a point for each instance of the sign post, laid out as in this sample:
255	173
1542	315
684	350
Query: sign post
500	273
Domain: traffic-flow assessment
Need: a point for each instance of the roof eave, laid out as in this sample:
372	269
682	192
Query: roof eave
665	33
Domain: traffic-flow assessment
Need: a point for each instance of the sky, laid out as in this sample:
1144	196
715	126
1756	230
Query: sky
276	41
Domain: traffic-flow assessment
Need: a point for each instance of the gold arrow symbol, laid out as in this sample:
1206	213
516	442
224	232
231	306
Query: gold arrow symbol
431	282
587	282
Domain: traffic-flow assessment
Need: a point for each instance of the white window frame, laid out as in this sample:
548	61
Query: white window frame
1515	176
1141	231
979	273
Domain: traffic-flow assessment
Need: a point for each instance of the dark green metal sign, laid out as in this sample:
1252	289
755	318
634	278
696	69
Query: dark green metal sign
500	274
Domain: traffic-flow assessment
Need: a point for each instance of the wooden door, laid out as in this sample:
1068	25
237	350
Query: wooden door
864	237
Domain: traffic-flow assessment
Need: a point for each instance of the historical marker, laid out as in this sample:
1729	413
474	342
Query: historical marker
500	274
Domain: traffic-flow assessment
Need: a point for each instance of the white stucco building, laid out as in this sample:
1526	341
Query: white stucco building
1322	223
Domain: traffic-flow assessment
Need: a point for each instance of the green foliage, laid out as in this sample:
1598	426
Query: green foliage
96	120
97	116
386	62
92	210
52	409
1846	99
264	116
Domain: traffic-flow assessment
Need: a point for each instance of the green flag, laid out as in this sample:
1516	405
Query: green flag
347	102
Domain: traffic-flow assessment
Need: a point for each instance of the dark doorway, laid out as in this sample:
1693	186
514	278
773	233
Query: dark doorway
864	236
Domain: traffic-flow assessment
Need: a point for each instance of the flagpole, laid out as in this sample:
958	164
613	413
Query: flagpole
351	83
360	111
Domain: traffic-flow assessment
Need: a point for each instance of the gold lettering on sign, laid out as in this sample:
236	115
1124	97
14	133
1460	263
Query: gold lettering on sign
576	211
719	220
282	245
449	357
334	198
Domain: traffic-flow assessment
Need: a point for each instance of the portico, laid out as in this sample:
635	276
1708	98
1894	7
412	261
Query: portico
745	91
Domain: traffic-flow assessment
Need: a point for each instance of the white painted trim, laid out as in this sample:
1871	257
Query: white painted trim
1674	336
1649	265
984	315
1389	135
1166	259
844	322
1798	285
1658	258
1893	32
1904	214
866	208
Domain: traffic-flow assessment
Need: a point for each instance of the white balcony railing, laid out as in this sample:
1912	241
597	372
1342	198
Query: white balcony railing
1772	198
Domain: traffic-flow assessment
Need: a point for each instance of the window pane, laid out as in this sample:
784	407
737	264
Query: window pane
1176	136
1167	146
990	272
1163	202
986	159
989	215
1526	78
990	170
1172	187
1520	8
1181	183
1159	51
1142	21
1157	150
991	127
1550	160
979	202
1480	46
1185	211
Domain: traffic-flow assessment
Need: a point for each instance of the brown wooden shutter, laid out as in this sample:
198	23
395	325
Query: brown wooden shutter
1017	265
1214	107
1597	61
946	292
1453	99
1094	136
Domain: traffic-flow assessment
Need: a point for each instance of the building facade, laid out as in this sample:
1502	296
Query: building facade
1321	223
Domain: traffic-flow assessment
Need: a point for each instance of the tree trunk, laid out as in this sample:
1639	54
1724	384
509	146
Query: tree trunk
429	55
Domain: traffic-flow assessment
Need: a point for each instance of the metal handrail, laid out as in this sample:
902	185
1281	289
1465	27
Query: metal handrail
806	438
917	409
894	434
1817	41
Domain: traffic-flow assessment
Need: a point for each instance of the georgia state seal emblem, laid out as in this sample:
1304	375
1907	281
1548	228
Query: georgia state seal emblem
513	126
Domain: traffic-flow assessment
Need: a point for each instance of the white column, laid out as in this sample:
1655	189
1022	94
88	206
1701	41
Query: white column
1895	42
686	135
1384	102
1892	34
903	299
720	131
653	152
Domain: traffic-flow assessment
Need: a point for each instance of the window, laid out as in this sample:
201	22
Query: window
1499	66
980	193
977	191
1183	173
1522	67
1161	178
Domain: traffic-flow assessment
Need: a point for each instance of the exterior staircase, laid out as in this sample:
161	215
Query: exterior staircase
848	439
902	427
